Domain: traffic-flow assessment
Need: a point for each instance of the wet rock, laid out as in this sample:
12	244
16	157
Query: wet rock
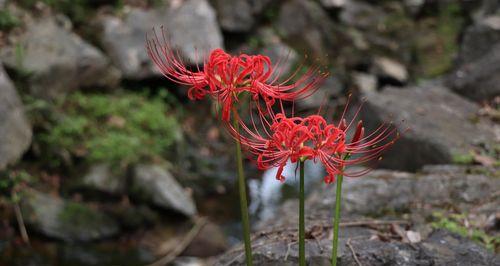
56	60
156	185
15	131
191	25
65	220
479	79
390	69
443	125
210	241
101	177
234	15
305	25
480	38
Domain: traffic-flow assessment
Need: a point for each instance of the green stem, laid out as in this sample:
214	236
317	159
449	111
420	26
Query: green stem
302	246
243	198
336	221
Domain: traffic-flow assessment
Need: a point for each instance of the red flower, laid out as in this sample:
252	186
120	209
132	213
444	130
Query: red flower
312	138
224	76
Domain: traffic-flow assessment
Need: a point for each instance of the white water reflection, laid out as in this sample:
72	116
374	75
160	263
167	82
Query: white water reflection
266	194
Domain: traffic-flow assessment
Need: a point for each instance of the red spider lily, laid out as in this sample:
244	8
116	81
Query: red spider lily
224	76
312	138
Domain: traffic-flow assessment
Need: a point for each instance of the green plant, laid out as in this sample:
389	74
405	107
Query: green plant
455	223
119	129
7	20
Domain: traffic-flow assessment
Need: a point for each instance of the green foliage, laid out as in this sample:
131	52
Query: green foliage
454	223
13	182
7	20
119	129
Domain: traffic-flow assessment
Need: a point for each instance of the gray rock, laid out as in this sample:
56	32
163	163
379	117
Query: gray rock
480	38
234	15
283	57
333	3
331	88
442	125
15	131
365	82
375	194
480	79
56	60
65	220
305	25
388	68
191	27
156	185
361	15
102	178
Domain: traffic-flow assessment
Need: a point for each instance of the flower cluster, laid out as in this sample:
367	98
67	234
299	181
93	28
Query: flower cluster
283	138
224	76
278	138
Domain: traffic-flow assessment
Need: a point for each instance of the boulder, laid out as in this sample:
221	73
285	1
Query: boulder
387	68
377	194
443	126
15	131
55	60
65	220
191	27
479	79
480	38
156	185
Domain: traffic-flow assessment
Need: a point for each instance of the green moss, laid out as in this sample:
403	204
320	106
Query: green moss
454	223
436	44
463	159
78	215
118	129
7	20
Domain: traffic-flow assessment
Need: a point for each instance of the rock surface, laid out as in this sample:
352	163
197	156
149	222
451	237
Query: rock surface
156	185
15	131
56	60
191	25
101	177
443	126
234	15
65	220
375	195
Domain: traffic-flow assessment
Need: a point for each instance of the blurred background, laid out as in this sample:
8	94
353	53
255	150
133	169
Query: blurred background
104	162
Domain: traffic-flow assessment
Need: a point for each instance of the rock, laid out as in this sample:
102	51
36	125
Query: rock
234	15
210	241
278	52
480	38
101	177
480	79
156	185
361	15
331	88
442	125
15	131
388	68
365	82
65	220
305	25
377	193
191	26
333	3
56	60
